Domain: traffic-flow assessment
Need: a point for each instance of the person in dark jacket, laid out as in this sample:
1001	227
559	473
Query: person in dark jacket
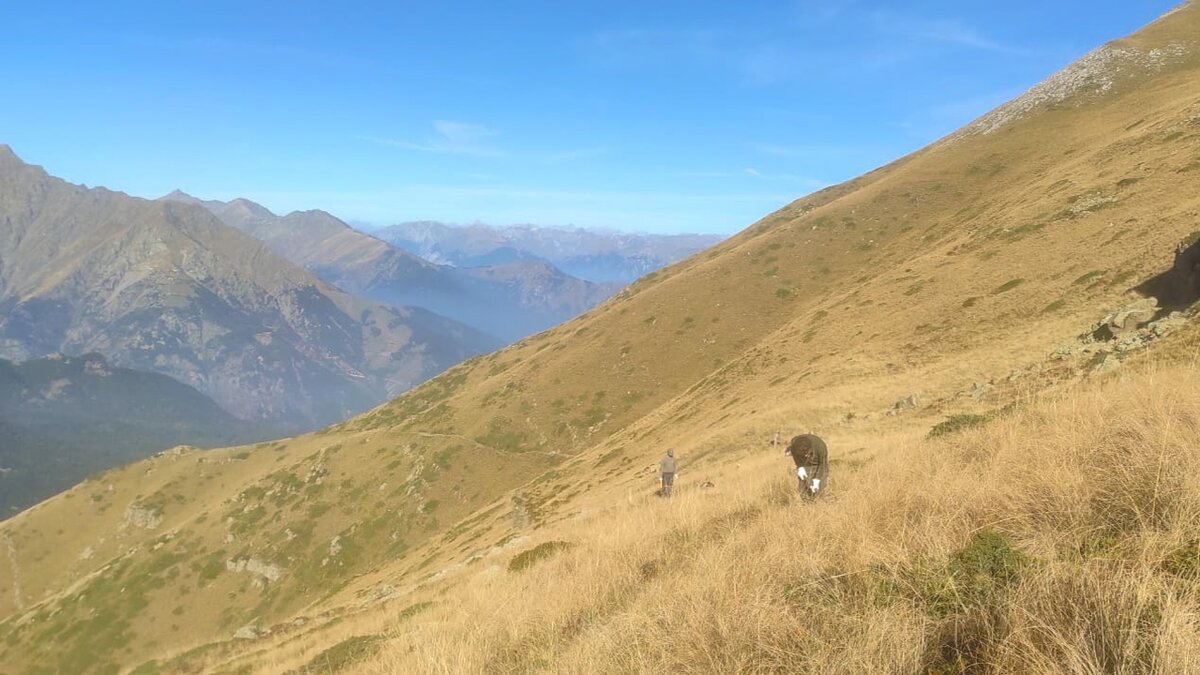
811	456
666	470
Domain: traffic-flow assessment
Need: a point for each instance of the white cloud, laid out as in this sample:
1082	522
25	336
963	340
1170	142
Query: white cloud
949	31
450	137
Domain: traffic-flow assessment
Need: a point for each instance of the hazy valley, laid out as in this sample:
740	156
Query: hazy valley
600	257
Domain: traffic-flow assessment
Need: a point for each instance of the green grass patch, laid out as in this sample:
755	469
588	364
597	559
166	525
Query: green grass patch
340	657
1008	286
1054	306
413	610
957	423
974	577
533	556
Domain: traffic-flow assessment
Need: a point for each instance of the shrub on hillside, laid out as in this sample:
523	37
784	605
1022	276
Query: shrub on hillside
956	423
542	551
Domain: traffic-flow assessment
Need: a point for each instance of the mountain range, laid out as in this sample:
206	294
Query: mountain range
511	300
166	287
596	255
952	323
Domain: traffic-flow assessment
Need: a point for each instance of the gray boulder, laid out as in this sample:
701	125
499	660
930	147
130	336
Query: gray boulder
1127	320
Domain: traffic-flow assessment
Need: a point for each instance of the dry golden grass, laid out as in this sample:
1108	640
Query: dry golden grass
1061	538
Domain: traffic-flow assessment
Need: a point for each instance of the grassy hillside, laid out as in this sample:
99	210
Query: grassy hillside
1060	537
958	279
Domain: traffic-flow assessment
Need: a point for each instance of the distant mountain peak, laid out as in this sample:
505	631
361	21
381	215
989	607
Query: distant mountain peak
178	195
250	208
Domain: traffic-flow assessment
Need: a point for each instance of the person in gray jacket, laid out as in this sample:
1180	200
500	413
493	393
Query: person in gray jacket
811	456
666	469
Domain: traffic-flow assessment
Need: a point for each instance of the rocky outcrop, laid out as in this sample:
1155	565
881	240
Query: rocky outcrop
1096	74
910	402
1129	328
1126	320
254	566
140	516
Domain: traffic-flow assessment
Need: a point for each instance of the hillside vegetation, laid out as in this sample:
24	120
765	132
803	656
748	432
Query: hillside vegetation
963	283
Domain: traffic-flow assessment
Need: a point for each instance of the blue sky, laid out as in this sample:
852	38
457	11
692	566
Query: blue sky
653	116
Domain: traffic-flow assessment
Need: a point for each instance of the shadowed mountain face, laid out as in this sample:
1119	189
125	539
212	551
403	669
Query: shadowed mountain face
512	300
595	255
166	287
958	279
62	419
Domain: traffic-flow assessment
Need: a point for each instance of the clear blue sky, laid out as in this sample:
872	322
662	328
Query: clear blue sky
645	115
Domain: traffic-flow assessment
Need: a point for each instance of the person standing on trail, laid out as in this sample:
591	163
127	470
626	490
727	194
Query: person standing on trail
666	469
811	456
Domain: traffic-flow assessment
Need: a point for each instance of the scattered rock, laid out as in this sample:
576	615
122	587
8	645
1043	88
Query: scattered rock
248	632
1166	325
905	404
1094	74
176	452
1105	361
256	567
139	516
1126	320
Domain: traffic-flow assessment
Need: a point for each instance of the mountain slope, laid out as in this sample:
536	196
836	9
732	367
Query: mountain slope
64	418
597	256
514	300
956	280
166	287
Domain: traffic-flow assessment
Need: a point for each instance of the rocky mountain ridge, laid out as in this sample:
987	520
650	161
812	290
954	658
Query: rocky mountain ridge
166	287
512	301
595	255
